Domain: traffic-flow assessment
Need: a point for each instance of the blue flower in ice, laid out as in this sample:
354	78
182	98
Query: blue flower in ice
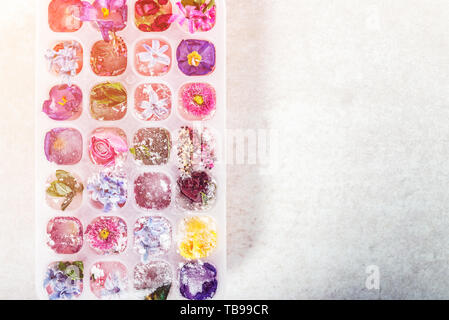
152	236
108	188
60	286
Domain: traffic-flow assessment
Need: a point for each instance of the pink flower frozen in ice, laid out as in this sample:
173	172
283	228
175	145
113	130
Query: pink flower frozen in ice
65	103
101	151
199	17
65	235
198	101
110	15
106	145
107	235
63	146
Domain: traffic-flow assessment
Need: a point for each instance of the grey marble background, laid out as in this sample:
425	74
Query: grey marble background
358	92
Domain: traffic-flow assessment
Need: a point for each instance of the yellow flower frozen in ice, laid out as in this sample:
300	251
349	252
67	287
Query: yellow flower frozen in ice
198	237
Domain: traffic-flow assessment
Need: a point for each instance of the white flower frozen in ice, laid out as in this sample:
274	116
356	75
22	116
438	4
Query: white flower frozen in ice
154	105
114	286
97	272
64	59
154	54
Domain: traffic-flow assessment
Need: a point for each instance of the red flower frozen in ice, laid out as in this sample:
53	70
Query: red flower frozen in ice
161	23
146	7
153	15
195	186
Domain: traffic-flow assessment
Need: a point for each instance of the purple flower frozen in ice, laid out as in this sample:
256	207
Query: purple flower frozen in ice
64	280
108	189
196	57
198	281
152	236
110	15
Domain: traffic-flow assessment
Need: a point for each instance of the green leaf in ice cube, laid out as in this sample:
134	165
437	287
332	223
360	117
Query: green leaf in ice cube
61	188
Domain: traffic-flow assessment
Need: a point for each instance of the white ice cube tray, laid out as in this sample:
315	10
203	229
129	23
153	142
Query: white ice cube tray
85	124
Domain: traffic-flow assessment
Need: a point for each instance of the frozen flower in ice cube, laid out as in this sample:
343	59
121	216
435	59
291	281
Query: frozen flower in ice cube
196	150
66	59
107	235
152	191
153	57
108	189
152	146
63	15
153	15
65	103
198	281
109	16
107	146
196	15
109	59
197	101
196	191
64	280
109	280
63	146
108	101
65	235
198	237
152	236
196	57
153	281
64	191
153	102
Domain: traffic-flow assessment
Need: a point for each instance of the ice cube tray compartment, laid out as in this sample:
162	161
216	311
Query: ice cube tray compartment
122	266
